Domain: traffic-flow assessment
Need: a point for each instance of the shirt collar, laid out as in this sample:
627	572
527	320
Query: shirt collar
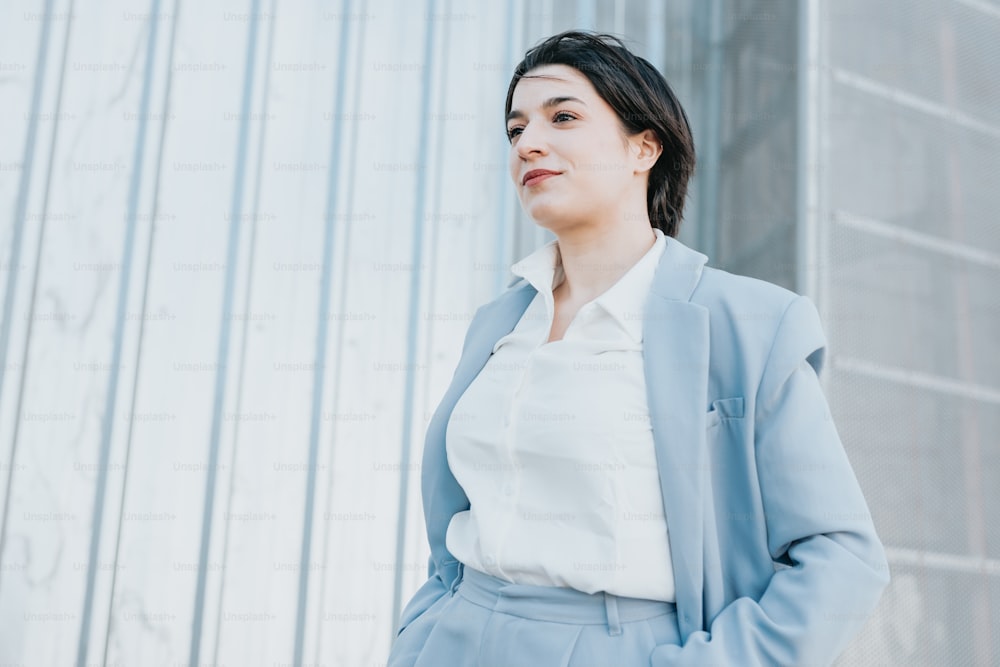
625	301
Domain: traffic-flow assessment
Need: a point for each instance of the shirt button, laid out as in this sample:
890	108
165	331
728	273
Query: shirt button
506	420
489	560
508	489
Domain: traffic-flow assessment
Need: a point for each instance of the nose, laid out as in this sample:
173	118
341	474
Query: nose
532	141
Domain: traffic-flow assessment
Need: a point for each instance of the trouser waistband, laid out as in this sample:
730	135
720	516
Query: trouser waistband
553	603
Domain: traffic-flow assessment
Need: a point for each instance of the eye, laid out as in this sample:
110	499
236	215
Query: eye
516	130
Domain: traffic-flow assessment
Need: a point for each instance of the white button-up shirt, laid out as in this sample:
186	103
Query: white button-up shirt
553	445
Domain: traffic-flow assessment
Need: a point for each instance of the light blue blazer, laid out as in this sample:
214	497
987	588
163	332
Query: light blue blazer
775	557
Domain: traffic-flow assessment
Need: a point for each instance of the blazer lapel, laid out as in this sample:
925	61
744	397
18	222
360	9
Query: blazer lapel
676	352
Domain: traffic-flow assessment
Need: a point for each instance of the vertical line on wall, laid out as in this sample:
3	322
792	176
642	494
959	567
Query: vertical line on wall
709	169
343	283
807	151
970	417
502	244
323	324
137	376
24	188
241	366
107	419
655	29
620	18
586	14
435	227
20	208
548	17
222	355
413	319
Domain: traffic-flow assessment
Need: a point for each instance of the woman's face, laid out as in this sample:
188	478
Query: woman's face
559	123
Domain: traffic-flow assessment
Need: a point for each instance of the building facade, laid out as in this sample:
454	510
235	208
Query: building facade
244	242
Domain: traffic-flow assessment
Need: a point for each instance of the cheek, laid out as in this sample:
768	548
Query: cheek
614	160
513	166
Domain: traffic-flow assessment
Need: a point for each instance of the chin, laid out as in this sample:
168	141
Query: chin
555	225
544	212
544	218
553	217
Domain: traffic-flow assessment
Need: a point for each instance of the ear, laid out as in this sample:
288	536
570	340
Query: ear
646	149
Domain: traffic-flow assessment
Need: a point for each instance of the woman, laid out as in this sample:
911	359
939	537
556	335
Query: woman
634	463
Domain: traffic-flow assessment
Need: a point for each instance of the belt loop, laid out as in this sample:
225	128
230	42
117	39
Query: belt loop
458	577
611	606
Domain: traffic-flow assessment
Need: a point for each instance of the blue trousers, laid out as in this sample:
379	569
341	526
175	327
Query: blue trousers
488	622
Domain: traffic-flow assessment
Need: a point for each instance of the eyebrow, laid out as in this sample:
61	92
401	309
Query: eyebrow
551	102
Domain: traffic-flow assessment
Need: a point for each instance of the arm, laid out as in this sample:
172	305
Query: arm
817	521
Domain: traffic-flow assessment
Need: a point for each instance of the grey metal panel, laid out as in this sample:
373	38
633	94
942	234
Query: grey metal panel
913	310
758	142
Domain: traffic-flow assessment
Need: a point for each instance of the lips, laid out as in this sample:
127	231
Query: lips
537	175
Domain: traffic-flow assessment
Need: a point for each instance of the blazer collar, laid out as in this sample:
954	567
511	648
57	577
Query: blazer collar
678	272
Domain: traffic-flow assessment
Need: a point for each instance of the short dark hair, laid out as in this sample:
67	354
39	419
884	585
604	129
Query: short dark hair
642	99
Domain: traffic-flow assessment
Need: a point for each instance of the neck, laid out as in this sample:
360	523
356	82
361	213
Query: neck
595	258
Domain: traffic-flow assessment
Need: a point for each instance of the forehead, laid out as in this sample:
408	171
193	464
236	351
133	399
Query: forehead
544	81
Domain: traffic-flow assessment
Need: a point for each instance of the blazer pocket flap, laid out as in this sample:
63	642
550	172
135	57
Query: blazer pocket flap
724	408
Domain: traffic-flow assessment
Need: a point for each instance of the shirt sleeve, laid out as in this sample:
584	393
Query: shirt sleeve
817	522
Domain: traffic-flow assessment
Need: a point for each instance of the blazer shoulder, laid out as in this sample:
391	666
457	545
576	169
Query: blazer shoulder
720	288
764	319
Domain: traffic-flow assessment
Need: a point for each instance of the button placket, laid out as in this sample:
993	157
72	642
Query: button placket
509	486
508	473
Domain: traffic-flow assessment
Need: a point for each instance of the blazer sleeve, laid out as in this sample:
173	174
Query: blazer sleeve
817	522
